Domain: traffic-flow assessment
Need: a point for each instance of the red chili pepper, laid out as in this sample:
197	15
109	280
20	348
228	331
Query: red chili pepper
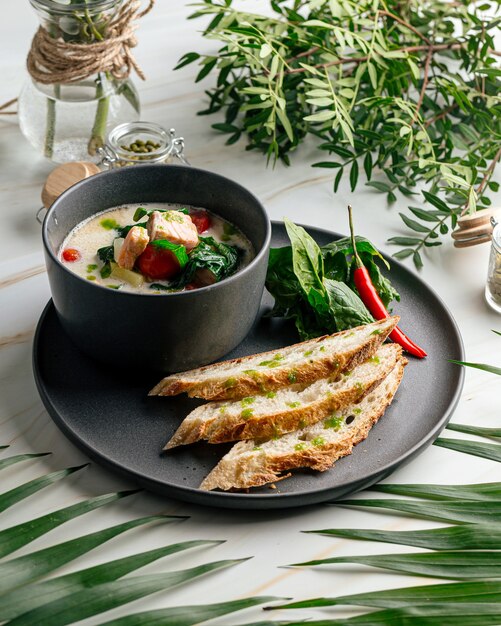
370	297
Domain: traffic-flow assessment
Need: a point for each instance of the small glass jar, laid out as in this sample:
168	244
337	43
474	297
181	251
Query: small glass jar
493	286
134	143
69	121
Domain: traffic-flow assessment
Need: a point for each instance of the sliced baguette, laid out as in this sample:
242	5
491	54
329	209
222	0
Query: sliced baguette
251	464
302	363
265	416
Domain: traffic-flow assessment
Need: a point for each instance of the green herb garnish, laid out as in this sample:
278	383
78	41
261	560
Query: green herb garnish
178	250
109	223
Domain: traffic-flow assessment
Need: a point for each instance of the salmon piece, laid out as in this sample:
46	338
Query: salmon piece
133	246
174	226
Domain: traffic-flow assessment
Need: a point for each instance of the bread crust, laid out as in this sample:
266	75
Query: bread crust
261	382
269	425
259	470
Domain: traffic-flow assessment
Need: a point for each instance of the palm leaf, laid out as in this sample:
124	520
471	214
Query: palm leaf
475	430
28	568
9	498
477	591
15	537
186	615
429	615
466	614
28	598
466	537
459	511
490	451
102	598
456	565
12	460
479	366
479	491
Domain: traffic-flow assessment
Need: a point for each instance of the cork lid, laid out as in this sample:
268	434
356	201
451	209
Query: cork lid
63	177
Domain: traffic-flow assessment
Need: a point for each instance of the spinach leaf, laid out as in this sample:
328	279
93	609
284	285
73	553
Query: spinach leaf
142	212
177	249
124	230
105	271
139	213
220	259
346	308
106	254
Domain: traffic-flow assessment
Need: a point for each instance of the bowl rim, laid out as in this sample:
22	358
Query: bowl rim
152	166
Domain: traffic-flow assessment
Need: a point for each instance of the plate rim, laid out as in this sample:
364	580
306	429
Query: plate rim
255	501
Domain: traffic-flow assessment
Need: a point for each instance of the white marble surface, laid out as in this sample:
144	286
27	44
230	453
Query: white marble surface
303	194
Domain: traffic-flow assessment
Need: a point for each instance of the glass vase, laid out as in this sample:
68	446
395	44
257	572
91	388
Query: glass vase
70	121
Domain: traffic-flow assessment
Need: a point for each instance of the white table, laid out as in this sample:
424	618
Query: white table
304	195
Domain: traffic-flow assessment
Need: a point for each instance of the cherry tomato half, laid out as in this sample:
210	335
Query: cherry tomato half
201	219
158	263
71	254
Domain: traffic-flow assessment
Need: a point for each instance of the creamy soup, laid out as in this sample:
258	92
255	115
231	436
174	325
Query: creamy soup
155	248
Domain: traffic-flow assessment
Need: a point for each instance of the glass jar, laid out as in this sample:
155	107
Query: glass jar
69	121
493	286
134	143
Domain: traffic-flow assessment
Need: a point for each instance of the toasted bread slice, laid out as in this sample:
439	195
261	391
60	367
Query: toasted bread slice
302	363
287	409
251	463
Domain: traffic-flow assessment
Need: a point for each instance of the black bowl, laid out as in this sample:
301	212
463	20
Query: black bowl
170	332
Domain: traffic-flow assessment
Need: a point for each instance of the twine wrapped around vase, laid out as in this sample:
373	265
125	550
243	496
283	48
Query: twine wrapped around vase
51	61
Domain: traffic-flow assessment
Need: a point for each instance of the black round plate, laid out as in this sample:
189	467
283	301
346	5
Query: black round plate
109	415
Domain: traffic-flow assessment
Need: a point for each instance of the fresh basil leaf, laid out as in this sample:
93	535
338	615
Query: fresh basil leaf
281	281
306	322
307	260
344	245
346	308
176	248
336	265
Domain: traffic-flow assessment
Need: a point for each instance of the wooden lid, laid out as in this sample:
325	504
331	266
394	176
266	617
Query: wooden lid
475	228
63	177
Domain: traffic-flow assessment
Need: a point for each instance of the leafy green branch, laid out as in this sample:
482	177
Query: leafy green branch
388	87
